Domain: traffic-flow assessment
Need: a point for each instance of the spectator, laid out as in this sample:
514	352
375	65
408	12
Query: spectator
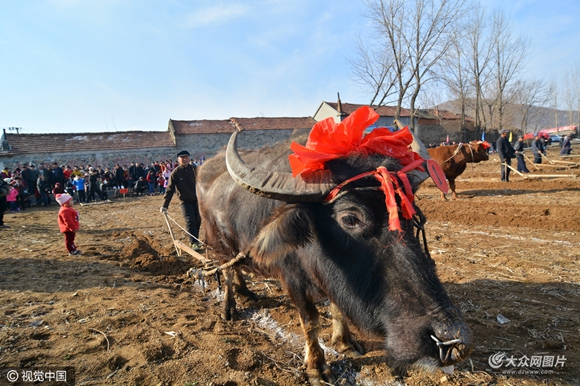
70	188
182	181
140	171
5	173
151	179
126	177
57	174
140	186
29	178
77	172
119	176
58	189
538	149
109	180
506	153
68	222
79	183
67	172
4	190
566	146
42	188
94	180
12	196
519	149
161	183
23	193
132	174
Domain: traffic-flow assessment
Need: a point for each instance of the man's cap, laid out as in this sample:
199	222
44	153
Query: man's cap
521	136
504	131
183	153
63	198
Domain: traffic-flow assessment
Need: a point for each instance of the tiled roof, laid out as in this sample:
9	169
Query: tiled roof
445	114
383	111
228	126
389	111
275	123
202	126
64	143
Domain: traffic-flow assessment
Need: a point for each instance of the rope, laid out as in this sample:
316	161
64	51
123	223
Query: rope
208	271
459	149
185	230
455	153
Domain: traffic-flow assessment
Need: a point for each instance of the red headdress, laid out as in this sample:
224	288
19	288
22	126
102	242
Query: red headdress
330	140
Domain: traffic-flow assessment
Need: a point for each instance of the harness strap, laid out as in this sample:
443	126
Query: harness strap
454	153
390	186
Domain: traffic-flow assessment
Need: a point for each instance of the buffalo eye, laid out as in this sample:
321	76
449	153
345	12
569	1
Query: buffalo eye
350	221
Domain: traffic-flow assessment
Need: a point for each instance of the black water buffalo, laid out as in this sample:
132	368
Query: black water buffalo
341	249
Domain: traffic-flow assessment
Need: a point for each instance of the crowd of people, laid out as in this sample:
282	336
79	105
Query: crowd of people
31	184
27	186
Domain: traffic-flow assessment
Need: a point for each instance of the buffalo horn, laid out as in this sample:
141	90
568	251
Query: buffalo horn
276	185
418	147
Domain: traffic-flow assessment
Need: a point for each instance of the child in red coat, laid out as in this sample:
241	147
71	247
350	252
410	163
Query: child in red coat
68	222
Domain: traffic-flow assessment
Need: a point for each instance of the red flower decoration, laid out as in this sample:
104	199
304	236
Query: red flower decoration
330	140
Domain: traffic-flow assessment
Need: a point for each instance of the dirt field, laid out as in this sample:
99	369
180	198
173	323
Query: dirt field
124	313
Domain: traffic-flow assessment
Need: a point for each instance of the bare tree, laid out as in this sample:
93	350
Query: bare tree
415	34
479	51
456	77
373	69
553	95
530	97
568	94
508	61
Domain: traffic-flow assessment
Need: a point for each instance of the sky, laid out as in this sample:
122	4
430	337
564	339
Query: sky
117	65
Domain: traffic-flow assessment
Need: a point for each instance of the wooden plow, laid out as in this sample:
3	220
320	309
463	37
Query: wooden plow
538	176
209	267
554	162
180	246
554	165
570	156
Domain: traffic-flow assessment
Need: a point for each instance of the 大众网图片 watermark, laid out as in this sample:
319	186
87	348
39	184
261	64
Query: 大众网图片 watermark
526	365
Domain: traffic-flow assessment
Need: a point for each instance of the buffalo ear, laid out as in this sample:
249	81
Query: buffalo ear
289	228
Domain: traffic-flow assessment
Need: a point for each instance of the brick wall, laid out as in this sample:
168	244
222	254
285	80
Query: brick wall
102	158
198	145
208	145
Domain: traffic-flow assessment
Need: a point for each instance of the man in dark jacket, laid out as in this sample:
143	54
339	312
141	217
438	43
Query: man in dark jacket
519	149
43	188
140	186
506	153
94	180
57	174
566	146
4	190
182	181
538	149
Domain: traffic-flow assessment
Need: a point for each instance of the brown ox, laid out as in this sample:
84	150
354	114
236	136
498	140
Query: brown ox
454	159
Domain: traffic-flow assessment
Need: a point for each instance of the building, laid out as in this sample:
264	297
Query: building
202	138
434	124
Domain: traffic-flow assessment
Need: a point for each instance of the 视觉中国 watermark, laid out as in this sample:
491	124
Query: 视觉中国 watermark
526	365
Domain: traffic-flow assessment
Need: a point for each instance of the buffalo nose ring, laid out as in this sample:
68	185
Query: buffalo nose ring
445	348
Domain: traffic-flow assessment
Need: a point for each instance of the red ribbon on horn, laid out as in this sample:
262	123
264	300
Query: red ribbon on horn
329	140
